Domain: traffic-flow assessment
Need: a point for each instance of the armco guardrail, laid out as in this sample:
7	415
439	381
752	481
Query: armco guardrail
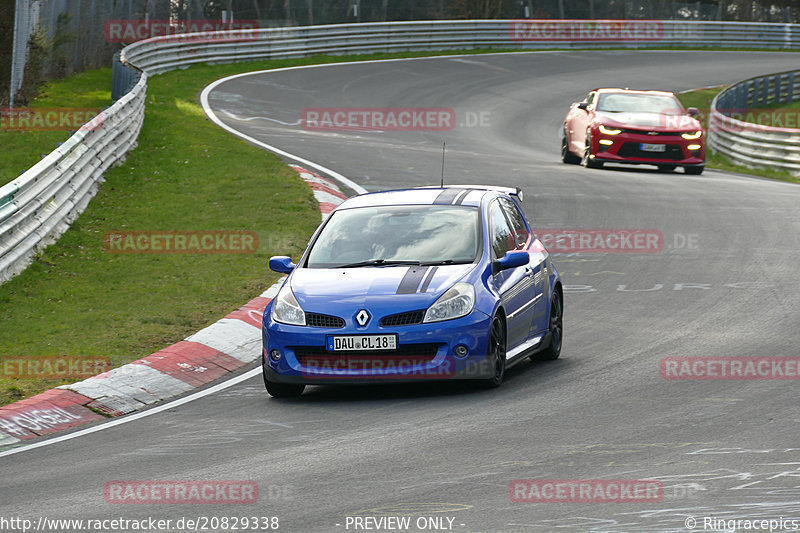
757	145
39	205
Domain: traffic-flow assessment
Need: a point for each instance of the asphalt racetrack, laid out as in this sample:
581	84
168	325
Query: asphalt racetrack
722	283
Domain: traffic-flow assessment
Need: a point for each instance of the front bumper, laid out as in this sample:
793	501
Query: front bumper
627	148
426	352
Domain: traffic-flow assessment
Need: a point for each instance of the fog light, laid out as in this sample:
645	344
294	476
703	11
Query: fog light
275	355
461	350
694	147
606	142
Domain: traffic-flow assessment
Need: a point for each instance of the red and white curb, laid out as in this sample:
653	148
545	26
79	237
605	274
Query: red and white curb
211	353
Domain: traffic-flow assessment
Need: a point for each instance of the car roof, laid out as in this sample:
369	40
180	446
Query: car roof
632	91
467	195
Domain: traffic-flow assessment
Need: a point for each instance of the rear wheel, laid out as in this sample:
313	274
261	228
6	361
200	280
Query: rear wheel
281	390
694	170
588	161
567	156
666	168
496	353
552	352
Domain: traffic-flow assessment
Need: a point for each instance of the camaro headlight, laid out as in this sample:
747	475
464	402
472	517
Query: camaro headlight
689	135
458	301
609	131
286	309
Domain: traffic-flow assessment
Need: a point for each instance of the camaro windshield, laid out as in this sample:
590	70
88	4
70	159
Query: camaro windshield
638	103
375	236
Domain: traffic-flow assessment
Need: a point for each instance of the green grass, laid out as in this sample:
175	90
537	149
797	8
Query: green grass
701	99
23	149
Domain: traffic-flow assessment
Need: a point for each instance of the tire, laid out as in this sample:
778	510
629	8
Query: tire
556	329
587	161
567	156
280	390
694	171
666	168
496	351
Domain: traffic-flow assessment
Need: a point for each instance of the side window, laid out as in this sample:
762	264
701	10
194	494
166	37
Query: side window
520	236
590	98
501	233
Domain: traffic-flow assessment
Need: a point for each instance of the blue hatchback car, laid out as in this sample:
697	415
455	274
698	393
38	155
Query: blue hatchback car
416	284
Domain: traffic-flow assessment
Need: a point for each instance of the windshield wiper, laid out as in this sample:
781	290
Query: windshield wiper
445	262
377	262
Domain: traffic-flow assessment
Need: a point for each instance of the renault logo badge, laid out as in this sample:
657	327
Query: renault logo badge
362	318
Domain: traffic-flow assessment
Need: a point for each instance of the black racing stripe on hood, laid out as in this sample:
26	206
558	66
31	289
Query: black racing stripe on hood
410	282
428	279
447	196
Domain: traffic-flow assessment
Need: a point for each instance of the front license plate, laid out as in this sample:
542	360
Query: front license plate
339	343
644	147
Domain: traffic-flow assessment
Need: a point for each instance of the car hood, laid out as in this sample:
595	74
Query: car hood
332	286
650	121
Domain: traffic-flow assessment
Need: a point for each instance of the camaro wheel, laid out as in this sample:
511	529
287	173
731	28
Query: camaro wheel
694	170
587	161
666	168
567	156
552	352
280	390
497	353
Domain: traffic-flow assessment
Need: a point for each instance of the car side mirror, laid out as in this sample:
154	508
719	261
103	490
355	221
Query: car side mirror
692	111
281	264
512	259
583	105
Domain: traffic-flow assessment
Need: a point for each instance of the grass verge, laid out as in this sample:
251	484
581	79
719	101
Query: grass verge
23	149
701	99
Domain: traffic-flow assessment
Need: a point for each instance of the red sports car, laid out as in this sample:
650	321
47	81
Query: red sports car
633	127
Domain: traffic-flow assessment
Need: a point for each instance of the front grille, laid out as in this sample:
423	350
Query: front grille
316	320
651	133
406	354
403	319
630	149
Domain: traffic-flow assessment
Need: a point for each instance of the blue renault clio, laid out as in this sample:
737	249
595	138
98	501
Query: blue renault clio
416	284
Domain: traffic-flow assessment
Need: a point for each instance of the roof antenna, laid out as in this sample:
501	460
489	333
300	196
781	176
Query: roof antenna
443	145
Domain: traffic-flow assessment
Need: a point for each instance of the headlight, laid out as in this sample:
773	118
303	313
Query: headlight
458	301
609	131
689	135
286	309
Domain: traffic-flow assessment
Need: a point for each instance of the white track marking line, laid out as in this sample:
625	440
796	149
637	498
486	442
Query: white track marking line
130	418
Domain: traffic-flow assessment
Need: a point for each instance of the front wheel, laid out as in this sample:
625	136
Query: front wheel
588	161
553	351
695	171
281	390
666	168
496	354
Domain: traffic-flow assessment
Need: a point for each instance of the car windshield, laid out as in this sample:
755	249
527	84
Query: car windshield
638	103
386	235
